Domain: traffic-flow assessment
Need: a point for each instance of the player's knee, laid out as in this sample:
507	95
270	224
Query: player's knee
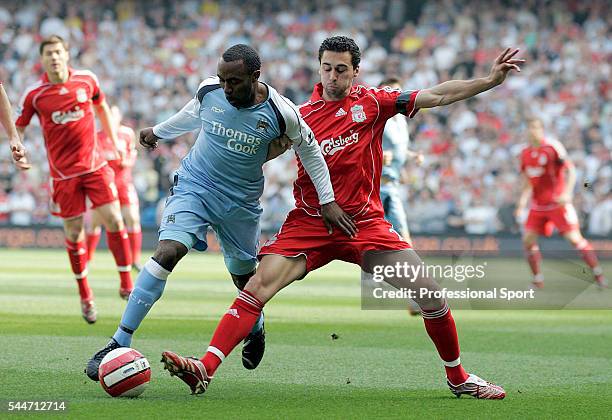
260	287
114	223
169	253
240	280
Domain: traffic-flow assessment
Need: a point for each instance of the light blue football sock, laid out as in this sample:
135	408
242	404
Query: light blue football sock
149	288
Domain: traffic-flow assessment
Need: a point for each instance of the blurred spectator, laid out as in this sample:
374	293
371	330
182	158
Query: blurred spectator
21	204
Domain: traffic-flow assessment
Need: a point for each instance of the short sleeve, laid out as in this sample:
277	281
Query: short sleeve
394	101
24	110
97	96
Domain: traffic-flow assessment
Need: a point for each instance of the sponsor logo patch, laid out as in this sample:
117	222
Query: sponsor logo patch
333	145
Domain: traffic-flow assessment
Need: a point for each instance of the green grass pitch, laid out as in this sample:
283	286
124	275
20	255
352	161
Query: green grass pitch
552	363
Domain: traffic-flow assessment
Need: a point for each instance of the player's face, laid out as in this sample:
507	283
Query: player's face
238	85
54	58
337	74
535	130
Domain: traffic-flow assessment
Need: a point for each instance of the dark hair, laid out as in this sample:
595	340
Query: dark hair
341	44
391	80
53	39
245	53
533	119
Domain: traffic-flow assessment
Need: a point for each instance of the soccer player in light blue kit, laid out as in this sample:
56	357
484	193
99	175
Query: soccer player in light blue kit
220	182
396	141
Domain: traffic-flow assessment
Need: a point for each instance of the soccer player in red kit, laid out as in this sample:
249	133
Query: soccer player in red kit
128	198
65	100
544	164
348	123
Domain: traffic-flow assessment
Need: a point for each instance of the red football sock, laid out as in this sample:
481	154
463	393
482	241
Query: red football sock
235	325
440	326
93	238
588	255
534	256
135	236
119	245
77	253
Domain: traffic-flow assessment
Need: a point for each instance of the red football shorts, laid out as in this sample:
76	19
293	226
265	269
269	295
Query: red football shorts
542	222
68	195
125	185
306	235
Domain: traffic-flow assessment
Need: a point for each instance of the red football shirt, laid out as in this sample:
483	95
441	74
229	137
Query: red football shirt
543	165
67	119
125	136
349	133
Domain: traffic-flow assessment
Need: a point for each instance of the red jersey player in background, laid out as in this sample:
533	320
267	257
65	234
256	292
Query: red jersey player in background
348	123
65	100
128	198
6	119
544	164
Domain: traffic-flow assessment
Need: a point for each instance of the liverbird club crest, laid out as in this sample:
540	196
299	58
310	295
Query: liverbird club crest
358	113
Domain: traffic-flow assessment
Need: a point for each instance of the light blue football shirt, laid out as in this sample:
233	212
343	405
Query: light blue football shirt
396	139
232	144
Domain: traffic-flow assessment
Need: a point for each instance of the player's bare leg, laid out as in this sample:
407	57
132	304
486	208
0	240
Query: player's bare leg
93	234
273	274
587	253
77	253
534	257
131	217
439	323
118	243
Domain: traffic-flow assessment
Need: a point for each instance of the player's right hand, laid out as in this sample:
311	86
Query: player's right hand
148	139
334	215
387	157
19	156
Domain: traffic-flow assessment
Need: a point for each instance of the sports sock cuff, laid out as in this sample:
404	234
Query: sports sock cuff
436	314
82	274
135	229
453	363
216	352
156	270
250	299
583	244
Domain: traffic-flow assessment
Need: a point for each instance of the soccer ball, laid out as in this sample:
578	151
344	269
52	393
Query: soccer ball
124	372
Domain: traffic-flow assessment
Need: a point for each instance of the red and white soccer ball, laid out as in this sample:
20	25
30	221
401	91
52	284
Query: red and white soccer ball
124	372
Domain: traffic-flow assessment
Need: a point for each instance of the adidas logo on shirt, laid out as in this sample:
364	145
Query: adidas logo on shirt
340	113
63	91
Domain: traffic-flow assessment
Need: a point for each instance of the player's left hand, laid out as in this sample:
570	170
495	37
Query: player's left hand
503	64
334	215
564	199
122	158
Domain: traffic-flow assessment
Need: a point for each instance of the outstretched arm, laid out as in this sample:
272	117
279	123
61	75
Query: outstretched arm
184	121
456	90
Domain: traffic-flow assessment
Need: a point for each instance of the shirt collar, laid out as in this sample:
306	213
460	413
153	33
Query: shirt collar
45	76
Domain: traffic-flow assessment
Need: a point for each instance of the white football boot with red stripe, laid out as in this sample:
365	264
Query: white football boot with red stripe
189	369
477	388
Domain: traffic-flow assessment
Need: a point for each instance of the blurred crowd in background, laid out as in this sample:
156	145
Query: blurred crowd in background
151	55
